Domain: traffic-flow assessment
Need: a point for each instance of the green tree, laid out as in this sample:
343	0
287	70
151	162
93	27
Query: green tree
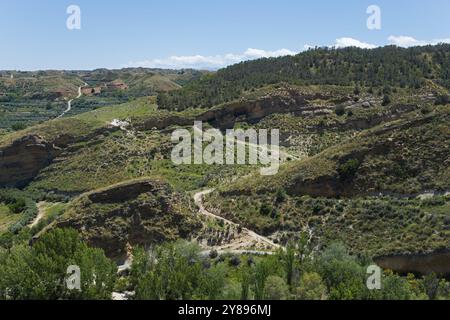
340	110
311	287
442	99
245	277
39	272
288	261
262	270
7	240
175	274
386	100
395	287
276	288
17	206
266	209
212	282
348	170
304	252
343	276
280	196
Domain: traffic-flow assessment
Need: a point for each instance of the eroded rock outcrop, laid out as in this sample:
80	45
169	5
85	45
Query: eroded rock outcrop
437	262
282	101
24	158
139	212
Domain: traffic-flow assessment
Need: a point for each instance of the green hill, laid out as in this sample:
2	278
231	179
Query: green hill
364	135
387	66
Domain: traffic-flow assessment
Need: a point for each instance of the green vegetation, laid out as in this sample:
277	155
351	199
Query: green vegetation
442	99
177	271
7	218
371	226
140	81
21	204
379	67
404	157
33	97
348	170
364	175
30	98
119	156
174	271
141	211
40	272
51	212
86	124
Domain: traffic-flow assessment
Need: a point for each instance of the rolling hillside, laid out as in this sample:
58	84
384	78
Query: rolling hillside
28	98
366	155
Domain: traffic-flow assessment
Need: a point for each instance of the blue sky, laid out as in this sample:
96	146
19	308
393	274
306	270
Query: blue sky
202	33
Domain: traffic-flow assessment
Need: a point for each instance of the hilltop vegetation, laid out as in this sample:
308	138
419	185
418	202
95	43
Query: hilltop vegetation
387	66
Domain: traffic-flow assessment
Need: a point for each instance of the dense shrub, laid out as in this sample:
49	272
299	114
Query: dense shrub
442	99
386	100
266	209
348	170
311	287
19	202
340	110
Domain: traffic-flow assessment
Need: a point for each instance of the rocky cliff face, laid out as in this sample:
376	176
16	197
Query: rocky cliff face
141	212
282	101
24	158
164	121
437	262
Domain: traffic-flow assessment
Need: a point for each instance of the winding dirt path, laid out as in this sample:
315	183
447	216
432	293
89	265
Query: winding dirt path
41	214
69	103
259	148
198	199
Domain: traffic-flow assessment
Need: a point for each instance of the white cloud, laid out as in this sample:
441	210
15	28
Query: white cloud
401	41
406	41
350	42
209	62
344	43
257	53
223	60
308	46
